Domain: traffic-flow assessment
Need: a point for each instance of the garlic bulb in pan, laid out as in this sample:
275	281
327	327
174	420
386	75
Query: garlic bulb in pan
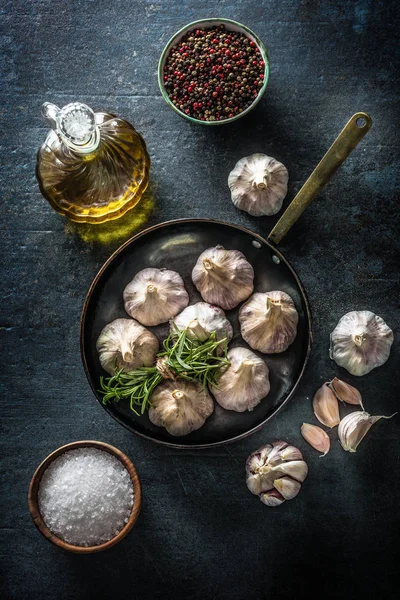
360	342
268	321
125	344
201	319
258	184
244	383
223	277
180	406
275	471
155	295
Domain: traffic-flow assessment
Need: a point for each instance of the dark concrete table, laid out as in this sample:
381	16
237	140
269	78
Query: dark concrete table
201	534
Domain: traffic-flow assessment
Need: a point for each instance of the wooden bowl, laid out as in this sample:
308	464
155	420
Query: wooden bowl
34	488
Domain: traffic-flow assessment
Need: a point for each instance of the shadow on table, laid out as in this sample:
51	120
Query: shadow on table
118	230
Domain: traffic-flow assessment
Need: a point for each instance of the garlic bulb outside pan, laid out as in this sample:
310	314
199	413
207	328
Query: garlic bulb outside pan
275	472
180	406
360	342
223	277
154	296
258	184
125	344
268	321
201	319
244	383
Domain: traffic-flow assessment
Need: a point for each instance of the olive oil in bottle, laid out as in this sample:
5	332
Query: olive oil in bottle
92	167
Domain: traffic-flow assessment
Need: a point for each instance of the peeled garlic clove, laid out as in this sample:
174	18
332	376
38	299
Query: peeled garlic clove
326	407
268	321
316	437
258	184
266	466
346	392
154	296
180	406
272	498
287	487
125	344
360	342
354	427
202	320
295	468
244	383
223	277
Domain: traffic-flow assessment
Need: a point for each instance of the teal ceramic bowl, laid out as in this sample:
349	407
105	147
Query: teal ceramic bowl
208	23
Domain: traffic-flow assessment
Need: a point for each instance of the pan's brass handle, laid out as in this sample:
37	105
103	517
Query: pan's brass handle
347	140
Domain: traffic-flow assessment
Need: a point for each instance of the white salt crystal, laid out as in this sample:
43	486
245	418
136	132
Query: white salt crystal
86	496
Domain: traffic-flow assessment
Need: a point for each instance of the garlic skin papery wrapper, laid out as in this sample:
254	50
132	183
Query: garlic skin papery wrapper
223	277
258	184
354	427
180	406
201	319
360	342
125	344
275	471
244	383
268	322
154	296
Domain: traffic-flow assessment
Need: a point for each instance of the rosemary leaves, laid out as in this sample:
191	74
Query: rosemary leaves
181	358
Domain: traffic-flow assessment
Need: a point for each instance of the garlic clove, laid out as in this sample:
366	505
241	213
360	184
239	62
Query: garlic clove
346	392
154	296
203	319
360	342
354	427
223	277
180	406
244	383
326	407
258	184
291	453
295	468
259	483
287	487
272	498
268	321
275	456
316	437
125	344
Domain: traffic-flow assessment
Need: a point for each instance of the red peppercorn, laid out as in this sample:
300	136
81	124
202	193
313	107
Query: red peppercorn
252	44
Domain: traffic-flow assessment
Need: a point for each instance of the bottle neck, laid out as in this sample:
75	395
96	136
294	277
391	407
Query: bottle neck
75	125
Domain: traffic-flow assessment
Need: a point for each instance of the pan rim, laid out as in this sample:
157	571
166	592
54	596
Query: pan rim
133	239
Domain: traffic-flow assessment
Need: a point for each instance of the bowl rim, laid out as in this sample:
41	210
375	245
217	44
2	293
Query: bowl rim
34	504
182	31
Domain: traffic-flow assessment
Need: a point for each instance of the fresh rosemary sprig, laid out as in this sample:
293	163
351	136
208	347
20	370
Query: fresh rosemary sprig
184	358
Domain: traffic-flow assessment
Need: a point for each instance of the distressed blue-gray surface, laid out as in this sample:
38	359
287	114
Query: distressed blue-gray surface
201	535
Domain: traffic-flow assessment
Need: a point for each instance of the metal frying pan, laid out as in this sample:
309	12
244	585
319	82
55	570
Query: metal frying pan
177	245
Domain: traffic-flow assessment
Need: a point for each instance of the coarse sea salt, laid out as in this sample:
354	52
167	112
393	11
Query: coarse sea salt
86	496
